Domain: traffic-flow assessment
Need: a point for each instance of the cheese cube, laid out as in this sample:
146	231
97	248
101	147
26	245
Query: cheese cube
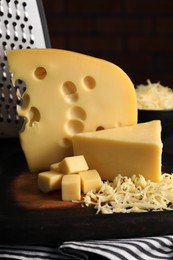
125	150
73	164
55	167
71	187
90	180
49	181
67	93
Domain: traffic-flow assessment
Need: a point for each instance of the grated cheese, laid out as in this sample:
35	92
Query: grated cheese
135	194
154	96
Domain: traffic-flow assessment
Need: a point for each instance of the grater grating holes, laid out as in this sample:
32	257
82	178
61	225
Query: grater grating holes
18	30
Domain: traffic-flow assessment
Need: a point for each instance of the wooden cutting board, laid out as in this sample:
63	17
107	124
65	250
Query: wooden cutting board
25	192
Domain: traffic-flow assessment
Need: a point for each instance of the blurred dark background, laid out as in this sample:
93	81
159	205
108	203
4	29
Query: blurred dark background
136	35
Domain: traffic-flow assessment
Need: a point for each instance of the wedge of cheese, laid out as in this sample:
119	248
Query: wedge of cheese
67	93
125	150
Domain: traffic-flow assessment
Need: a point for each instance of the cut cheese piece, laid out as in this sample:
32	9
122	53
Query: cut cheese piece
49	181
125	150
67	93
55	167
71	187
90	180
73	164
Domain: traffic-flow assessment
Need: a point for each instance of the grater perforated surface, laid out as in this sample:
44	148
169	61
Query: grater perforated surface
22	25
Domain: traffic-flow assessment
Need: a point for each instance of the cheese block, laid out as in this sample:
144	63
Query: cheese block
90	180
67	93
49	181
73	164
55	167
71	187
125	150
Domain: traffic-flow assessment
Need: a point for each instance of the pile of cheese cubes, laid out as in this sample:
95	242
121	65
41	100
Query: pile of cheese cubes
72	176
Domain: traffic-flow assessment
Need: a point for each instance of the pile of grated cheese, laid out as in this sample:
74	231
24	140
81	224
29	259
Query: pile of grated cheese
135	194
154	96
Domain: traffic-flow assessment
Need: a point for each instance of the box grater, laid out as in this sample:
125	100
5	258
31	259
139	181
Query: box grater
22	25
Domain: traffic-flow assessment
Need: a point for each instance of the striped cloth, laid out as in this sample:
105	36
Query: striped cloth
148	248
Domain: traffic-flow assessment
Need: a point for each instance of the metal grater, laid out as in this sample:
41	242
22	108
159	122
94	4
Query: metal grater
22	25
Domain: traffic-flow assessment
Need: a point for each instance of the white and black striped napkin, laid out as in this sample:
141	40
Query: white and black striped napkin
148	248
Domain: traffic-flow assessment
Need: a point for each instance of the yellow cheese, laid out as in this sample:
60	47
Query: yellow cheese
73	164
55	167
125	150
90	180
49	181
71	187
67	93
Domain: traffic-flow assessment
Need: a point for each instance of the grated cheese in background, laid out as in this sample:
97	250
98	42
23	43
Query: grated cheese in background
154	96
135	194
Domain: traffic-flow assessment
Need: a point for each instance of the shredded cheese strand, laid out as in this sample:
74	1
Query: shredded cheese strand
135	194
154	96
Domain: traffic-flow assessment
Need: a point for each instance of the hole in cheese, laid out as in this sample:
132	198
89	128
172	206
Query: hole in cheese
99	128
69	88
34	116
25	101
78	112
89	82
40	73
75	126
24	124
72	98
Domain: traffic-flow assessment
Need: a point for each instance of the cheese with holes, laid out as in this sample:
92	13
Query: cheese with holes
49	181
71	187
90	180
125	150
67	93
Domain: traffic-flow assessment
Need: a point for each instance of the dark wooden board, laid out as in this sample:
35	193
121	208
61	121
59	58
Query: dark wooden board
29	216
26	194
